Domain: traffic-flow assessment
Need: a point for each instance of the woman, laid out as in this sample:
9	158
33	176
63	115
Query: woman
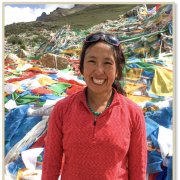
101	132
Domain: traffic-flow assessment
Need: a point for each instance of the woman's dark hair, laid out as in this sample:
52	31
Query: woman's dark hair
120	61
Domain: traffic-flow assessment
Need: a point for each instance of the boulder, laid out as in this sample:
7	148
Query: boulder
53	61
22	53
11	57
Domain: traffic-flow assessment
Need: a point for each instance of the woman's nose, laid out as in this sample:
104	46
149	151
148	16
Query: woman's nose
99	69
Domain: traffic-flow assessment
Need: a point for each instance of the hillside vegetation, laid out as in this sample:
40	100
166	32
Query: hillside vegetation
79	20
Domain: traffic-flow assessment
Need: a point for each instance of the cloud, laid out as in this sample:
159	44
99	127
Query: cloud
50	7
26	14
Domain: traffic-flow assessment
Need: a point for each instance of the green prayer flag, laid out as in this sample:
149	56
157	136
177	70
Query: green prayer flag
14	95
33	58
65	70
39	158
138	37
123	83
156	100
26	99
5	100
56	94
18	71
125	69
147	66
60	88
127	53
40	103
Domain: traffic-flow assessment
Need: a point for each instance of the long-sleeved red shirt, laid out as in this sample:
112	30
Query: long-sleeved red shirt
98	152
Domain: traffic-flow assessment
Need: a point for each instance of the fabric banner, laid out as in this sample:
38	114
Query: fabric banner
151	126
162	84
60	88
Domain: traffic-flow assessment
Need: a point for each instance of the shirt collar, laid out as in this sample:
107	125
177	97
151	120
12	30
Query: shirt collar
116	98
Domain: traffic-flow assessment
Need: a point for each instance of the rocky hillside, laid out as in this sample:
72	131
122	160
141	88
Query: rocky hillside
61	12
41	17
82	16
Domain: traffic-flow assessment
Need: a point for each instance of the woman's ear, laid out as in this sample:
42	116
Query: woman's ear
116	75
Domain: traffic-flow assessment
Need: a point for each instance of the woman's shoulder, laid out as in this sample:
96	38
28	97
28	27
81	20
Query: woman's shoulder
127	103
132	110
67	101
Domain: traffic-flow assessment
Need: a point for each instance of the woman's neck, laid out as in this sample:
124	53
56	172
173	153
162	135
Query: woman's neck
98	101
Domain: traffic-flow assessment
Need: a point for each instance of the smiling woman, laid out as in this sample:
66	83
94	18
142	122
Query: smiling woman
101	132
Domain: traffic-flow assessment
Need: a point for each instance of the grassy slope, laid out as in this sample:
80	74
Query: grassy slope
80	20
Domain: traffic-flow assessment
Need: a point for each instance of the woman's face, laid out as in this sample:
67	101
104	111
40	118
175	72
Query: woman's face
99	68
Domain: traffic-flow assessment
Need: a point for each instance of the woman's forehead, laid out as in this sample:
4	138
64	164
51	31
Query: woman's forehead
100	49
99	46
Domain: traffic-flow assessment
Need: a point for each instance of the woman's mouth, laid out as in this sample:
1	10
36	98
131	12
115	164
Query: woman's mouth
98	81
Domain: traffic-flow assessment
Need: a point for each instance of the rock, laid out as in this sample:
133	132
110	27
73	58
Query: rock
53	61
22	53
41	17
11	57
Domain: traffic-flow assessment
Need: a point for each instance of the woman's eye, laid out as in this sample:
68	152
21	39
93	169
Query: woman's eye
108	63
91	61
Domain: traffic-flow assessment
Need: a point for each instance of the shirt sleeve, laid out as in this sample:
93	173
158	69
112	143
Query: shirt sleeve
53	151
137	155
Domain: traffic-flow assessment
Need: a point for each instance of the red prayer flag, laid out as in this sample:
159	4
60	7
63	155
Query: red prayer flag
39	143
7	61
157	7
62	80
34	61
41	90
9	67
74	61
71	81
14	80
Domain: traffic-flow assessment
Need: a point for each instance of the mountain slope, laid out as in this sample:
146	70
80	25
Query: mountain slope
83	19
61	12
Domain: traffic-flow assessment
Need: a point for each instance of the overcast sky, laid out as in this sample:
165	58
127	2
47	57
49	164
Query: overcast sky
28	12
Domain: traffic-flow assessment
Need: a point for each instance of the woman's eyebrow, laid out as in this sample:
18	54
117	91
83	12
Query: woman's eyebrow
92	57
105	59
109	59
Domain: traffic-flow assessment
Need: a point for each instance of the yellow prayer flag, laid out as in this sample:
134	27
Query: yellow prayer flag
6	94
138	99
134	74
20	173
141	50
70	51
46	81
130	86
36	68
153	38
16	83
162	84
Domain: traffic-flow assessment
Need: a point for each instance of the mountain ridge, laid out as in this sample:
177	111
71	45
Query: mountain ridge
80	20
61	12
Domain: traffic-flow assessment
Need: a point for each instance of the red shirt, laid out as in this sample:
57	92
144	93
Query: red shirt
98	152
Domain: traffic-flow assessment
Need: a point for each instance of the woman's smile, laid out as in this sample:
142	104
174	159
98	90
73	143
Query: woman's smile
98	81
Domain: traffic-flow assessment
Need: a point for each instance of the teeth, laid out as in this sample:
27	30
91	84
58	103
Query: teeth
98	81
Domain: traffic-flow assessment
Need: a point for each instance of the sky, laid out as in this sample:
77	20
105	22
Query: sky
28	12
